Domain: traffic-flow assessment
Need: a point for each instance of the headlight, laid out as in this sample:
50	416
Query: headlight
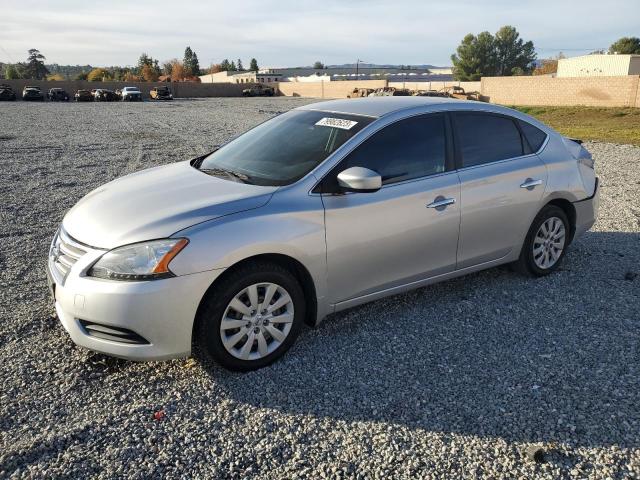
140	261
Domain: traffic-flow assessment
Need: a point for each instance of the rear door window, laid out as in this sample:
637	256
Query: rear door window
485	138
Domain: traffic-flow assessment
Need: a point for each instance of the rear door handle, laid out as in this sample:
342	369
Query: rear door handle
530	183
441	202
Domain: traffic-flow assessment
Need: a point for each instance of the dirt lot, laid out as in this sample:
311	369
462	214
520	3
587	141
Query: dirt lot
450	381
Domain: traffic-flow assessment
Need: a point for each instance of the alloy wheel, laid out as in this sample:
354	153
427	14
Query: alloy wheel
549	242
257	321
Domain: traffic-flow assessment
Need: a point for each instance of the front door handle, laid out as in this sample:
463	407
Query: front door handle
440	203
530	183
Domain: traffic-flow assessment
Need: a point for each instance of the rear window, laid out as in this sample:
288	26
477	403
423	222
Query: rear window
486	138
534	135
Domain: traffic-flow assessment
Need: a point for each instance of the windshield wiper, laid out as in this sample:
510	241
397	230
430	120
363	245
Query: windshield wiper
229	173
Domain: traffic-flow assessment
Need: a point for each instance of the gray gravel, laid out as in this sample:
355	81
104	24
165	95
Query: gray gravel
456	380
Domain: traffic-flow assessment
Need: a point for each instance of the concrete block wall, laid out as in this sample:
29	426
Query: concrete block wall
326	89
568	91
468	86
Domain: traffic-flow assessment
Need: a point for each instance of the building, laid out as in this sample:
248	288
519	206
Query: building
599	66
261	76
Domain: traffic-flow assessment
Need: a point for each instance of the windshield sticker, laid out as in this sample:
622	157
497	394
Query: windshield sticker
337	123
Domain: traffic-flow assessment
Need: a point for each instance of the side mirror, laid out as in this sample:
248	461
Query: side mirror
359	179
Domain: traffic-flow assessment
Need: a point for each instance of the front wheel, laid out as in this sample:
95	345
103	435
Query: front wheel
546	242
252	318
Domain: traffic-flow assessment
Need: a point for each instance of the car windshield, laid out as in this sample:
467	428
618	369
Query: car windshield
283	149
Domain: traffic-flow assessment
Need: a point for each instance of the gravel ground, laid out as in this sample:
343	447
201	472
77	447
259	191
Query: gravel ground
456	380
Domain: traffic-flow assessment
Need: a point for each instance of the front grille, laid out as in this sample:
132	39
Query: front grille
64	253
115	334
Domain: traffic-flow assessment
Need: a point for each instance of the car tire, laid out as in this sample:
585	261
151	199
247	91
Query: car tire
549	231
210	338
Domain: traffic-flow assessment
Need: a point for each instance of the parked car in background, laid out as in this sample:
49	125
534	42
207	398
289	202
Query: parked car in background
319	209
32	93
83	96
7	93
161	93
57	95
104	95
258	90
131	94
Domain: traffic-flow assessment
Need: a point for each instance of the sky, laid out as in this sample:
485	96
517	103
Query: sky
288	33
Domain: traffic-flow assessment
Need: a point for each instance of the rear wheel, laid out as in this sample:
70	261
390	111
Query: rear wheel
546	242
252	318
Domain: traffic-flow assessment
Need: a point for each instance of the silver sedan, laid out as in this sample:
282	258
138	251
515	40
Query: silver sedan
317	210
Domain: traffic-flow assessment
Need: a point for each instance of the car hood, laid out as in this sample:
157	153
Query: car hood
156	203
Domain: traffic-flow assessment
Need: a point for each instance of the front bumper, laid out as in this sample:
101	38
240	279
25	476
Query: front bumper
161	312
587	211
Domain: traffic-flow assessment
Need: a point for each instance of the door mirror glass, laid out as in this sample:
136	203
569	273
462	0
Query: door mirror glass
359	179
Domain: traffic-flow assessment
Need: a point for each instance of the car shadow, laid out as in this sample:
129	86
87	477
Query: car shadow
553	359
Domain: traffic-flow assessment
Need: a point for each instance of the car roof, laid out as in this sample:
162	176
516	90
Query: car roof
376	106
380	106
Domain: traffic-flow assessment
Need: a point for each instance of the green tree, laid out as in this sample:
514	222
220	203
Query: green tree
318	65
253	65
35	67
81	76
240	66
232	67
486	55
475	57
626	45
190	62
12	72
225	65
513	55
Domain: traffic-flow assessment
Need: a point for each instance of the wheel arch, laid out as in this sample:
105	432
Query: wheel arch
300	272
569	210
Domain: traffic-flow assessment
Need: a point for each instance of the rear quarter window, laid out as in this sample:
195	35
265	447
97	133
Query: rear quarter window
533	135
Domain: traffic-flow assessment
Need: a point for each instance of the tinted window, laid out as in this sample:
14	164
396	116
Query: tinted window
285	148
407	149
534	135
486	138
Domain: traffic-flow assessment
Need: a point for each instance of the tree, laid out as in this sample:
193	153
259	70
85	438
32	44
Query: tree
81	76
318	65
486	55
35	67
12	72
232	67
215	68
149	73
225	65
512	53
253	65
240	66
475	57
546	67
626	46
56	77
178	72
190	62
98	75
166	67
